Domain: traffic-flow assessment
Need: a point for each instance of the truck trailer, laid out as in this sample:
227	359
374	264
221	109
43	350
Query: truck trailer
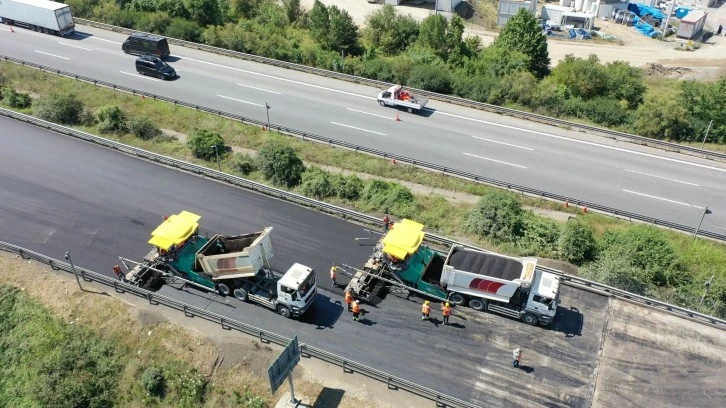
395	96
44	16
484	281
228	265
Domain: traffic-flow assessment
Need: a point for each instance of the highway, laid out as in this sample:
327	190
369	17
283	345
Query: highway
59	194
633	178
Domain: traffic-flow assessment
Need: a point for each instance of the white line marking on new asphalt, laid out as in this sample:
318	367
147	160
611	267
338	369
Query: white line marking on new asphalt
260	89
74	46
662	199
663	178
4	29
496	161
372	114
97	38
52	55
506	144
357	128
239	100
139	76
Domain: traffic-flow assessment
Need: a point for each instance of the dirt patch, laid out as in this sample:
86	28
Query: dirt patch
658	70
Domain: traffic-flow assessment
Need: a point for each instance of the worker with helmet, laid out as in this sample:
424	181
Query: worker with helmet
516	357
425	310
348	298
333	270
119	273
446	311
356	310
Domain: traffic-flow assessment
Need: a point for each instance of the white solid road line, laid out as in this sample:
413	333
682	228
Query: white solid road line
97	38
4	29
506	144
662	199
239	100
74	46
372	114
496	161
586	142
52	55
260	89
140	76
663	178
357	128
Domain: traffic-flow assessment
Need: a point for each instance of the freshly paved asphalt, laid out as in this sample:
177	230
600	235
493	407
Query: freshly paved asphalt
633	178
59	194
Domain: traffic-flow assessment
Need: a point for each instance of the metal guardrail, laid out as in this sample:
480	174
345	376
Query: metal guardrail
708	154
227	323
349	214
373	152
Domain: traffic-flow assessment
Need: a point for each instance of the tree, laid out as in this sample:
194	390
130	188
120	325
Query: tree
444	37
207	145
390	32
204	12
523	34
625	82
705	101
316	183
497	215
584	78
430	78
279	163
577	242
497	62
111	119
611	268
143	128
319	22
663	118
343	34
293	10
65	109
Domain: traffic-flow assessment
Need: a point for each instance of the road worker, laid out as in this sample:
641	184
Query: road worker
446	311
119	273
386	223
425	310
516	357
333	270
356	310
348	298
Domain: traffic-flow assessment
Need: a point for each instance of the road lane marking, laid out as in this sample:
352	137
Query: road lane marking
372	114
506	144
4	29
52	55
260	89
97	38
663	178
357	128
496	161
239	100
139	76
586	142
662	199
74	46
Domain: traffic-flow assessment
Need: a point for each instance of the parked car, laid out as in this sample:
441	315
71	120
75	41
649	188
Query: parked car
143	44
154	66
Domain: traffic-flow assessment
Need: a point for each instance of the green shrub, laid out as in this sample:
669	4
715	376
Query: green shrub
153	381
391	198
111	119
577	242
497	215
248	400
207	145
143	128
184	30
347	188
244	163
316	183
614	269
65	109
15	99
541	236
279	163
430	78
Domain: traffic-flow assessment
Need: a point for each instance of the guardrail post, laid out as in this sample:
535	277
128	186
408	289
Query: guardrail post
221	321
20	252
150	296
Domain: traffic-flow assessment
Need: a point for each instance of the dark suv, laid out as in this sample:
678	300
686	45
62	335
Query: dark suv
154	66
142	44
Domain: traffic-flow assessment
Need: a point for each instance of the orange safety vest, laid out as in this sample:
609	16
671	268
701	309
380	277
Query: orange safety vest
446	310
356	308
348	297
426	309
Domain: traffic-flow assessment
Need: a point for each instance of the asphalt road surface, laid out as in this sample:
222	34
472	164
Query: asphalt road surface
59	194
633	178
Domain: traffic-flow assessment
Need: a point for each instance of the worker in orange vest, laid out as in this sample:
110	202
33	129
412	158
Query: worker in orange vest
386	223
446	311
333	269
348	298
356	310
425	310
118	272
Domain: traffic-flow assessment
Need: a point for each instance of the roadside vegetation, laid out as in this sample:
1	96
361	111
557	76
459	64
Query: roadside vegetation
434	55
643	259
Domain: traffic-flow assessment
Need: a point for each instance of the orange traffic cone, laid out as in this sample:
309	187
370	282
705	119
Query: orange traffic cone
584	210
264	129
397	118
11	29
567	204
394	161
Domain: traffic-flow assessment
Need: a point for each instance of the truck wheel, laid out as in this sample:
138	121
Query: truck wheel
382	103
284	311
240	294
410	110
223	289
457	299
530	319
477	304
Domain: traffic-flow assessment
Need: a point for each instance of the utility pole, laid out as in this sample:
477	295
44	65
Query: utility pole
707	130
698	228
267	109
73	268
668	18
708	286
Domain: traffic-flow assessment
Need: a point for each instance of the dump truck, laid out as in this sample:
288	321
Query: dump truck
49	17
484	281
395	96
229	265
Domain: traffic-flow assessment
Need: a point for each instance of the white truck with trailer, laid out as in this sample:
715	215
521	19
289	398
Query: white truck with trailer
501	284
395	96
44	16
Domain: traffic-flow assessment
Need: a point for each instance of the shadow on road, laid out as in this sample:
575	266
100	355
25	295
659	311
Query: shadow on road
568	321
324	312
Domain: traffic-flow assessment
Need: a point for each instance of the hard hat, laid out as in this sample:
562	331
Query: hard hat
447	304
426	302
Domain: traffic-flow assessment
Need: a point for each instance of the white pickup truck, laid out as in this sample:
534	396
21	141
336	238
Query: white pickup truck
396	96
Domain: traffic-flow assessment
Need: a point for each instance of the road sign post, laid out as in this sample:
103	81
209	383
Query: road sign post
282	367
